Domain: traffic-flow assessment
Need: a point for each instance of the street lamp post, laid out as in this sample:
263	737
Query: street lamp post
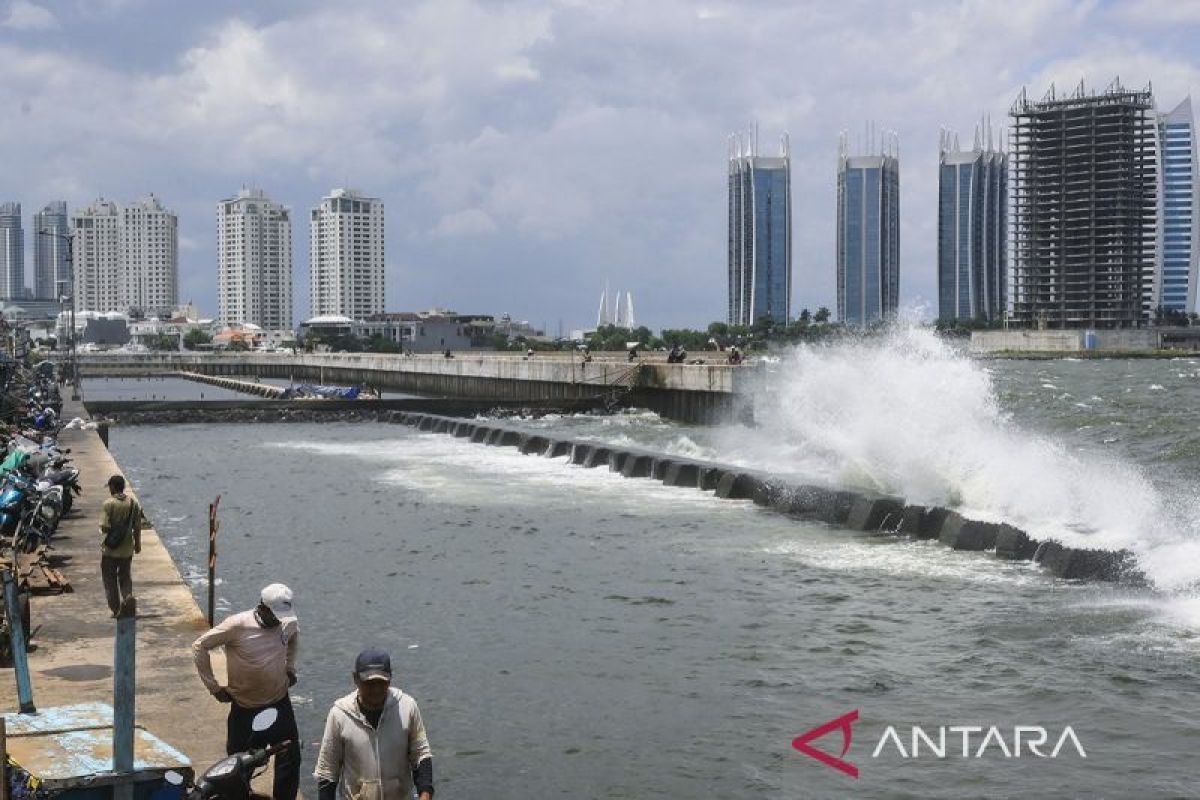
74	365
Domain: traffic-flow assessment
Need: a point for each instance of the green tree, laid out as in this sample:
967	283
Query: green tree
822	315
196	337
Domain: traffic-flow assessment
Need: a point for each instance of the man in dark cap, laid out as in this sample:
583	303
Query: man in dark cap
375	744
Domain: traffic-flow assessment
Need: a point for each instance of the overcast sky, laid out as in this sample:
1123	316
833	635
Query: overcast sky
529	151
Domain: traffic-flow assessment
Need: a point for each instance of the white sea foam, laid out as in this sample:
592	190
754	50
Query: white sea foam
908	415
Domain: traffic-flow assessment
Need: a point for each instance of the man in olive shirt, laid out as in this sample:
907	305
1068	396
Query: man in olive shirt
122	514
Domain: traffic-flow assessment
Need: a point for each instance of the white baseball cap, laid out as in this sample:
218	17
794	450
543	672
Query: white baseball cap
278	598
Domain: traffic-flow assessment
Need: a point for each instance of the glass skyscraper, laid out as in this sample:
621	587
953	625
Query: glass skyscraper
760	233
1179	209
12	251
868	234
51	267
972	219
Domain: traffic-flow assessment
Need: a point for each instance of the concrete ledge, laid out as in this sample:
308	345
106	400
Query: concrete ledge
873	513
413	419
444	425
960	533
464	429
481	434
427	423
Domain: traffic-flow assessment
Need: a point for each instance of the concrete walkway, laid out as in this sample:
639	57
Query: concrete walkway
73	633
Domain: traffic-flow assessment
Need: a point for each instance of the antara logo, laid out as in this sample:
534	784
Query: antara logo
974	741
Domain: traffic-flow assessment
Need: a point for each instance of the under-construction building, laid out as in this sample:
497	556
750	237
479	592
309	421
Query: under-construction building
1084	196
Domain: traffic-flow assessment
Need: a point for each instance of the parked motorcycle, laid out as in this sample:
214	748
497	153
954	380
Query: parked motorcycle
229	778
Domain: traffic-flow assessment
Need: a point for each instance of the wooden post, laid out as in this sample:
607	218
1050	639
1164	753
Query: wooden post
3	759
214	525
124	704
16	633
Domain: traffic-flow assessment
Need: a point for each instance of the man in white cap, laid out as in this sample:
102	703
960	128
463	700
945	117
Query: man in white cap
260	663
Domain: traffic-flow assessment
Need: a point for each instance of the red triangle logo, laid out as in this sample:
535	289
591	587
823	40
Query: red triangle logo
842	723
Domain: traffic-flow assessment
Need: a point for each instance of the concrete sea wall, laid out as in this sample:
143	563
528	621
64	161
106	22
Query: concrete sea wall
847	509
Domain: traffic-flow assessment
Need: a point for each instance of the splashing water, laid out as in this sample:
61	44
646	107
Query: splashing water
906	414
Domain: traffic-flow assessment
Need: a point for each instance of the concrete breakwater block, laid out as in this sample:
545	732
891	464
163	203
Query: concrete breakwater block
443	425
531	444
831	506
427	423
481	433
413	419
558	448
616	460
596	457
875	512
1085	564
501	437
464	429
923	522
637	465
738	485
710	476
580	452
1014	544
961	533
659	467
682	473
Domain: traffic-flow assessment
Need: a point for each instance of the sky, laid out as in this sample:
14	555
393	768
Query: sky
527	153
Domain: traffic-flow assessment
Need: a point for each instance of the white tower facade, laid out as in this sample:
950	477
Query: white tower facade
347	255
97	257
150	258
254	261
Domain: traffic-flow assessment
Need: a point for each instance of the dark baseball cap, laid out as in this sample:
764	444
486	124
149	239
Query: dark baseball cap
372	664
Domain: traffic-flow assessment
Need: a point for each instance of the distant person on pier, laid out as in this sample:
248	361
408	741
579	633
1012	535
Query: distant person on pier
260	662
120	541
633	354
375	744
735	355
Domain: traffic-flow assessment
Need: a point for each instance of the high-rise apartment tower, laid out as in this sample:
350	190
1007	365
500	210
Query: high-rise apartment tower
126	259
1084	208
972	228
97	255
868	232
150	258
254	261
346	255
51	262
760	232
1179	210
12	251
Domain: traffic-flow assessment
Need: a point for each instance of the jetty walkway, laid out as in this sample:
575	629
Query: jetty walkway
72	657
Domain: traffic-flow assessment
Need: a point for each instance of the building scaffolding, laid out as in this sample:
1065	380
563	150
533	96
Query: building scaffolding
1084	194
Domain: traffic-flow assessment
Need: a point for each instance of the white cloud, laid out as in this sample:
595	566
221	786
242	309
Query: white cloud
582	133
26	16
469	222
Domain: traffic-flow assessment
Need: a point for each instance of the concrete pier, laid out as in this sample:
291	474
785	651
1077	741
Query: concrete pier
700	393
73	633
